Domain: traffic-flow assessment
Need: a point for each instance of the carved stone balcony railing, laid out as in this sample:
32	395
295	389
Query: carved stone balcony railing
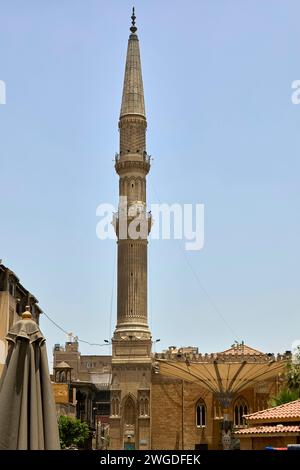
146	157
134	162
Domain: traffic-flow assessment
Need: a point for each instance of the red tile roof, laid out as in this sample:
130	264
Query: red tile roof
277	429
287	412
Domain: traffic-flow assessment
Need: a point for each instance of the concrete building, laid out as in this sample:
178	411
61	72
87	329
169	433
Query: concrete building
13	301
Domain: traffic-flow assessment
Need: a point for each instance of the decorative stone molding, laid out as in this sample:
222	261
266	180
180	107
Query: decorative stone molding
144	403
132	119
115	403
122	165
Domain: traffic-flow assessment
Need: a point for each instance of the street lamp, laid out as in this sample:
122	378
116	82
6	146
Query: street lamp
95	409
154	342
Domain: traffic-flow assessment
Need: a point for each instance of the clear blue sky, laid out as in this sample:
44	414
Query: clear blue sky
222	129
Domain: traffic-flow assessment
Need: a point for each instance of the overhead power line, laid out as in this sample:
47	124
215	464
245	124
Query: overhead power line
68	333
197	278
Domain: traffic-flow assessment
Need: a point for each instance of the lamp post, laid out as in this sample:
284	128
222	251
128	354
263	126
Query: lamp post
154	343
95	409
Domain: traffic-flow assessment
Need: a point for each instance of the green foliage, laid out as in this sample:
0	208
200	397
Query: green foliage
72	431
284	396
291	390
293	377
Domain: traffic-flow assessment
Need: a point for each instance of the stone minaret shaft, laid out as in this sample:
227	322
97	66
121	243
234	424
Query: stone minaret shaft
131	342
132	165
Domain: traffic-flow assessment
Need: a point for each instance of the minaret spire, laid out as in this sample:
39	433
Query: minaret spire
133	91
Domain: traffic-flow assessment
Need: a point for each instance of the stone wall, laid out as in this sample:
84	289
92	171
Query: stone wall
173	414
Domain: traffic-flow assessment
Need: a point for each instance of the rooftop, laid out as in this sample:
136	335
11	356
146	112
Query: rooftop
7	277
236	353
287	412
275	429
63	365
241	349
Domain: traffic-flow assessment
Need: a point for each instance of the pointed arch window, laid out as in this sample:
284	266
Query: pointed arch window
200	414
115	406
144	406
129	411
241	408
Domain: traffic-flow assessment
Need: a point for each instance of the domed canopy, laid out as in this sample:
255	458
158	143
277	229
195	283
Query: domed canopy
63	365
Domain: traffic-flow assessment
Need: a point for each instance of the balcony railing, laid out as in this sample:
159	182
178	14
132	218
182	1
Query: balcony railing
146	157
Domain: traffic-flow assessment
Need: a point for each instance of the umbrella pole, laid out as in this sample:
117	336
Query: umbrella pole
225	400
226	430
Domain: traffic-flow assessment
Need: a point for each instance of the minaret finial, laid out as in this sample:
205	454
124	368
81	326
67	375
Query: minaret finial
133	17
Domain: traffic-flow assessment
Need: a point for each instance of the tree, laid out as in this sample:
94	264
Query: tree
291	389
284	396
293	377
72	431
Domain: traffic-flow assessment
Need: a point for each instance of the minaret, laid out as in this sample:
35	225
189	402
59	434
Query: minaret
131	343
132	222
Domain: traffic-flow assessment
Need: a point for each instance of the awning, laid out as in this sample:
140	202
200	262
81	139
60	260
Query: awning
222	377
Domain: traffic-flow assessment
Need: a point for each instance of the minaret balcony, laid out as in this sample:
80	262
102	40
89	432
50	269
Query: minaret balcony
145	156
131	161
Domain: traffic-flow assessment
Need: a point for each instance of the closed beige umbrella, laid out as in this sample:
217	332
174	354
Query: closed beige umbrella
27	409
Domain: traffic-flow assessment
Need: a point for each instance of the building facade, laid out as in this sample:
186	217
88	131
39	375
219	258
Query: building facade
14	299
81	384
181	415
187	415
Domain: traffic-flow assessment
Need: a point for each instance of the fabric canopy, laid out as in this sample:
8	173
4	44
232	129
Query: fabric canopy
228	377
27	409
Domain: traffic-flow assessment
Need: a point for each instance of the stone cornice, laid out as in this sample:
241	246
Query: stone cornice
132	119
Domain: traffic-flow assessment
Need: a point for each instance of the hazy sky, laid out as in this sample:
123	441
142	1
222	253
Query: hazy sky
222	129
